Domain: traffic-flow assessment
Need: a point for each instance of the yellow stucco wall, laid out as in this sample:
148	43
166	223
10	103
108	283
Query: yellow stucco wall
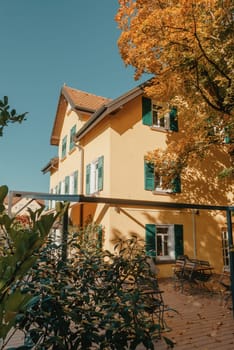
72	161
202	230
123	141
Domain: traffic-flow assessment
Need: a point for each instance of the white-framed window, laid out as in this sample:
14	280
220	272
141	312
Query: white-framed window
154	181
94	175
73	184
161	119
165	242
158	184
159	115
219	133
72	136
67	185
64	147
52	202
62	187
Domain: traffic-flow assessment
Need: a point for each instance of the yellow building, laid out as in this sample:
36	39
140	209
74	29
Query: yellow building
102	145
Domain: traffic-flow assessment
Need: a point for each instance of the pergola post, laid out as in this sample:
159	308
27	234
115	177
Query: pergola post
65	235
231	254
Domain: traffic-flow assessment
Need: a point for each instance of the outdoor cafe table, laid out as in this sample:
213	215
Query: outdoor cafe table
193	271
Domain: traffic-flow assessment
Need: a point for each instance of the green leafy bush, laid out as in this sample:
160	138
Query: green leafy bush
93	300
19	250
74	295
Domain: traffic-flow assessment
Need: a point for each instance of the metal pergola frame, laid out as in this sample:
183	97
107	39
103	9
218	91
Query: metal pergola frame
140	203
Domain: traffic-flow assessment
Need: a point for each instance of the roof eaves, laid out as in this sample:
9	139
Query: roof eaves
52	163
108	108
83	109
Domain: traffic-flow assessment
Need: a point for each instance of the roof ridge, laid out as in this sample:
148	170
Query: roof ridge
85	92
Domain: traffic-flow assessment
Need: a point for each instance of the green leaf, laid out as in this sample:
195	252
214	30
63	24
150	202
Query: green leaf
3	193
26	266
6	221
5	100
13	112
15	300
34	301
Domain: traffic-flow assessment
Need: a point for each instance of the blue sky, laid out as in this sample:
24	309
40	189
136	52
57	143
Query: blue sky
44	44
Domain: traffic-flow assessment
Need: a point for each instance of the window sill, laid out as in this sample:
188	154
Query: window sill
72	150
63	159
161	192
94	194
164	262
159	128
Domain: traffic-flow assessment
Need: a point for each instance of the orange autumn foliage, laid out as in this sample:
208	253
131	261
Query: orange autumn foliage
187	48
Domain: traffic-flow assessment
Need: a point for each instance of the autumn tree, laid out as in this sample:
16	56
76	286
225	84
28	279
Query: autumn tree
187	48
8	115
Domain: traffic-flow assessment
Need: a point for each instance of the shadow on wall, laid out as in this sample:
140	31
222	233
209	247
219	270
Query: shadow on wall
201	184
202	230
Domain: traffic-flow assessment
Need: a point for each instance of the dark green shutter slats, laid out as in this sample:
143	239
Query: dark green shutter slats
173	119
88	168
67	184
76	182
100	173
149	176
146	111
150	242
227	138
179	240
176	184
147	118
72	135
64	147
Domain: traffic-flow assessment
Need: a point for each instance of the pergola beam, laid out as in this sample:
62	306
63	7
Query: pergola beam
133	202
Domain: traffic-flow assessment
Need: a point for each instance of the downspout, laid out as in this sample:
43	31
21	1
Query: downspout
194	229
81	149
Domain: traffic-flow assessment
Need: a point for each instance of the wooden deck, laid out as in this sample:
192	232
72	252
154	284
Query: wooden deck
202	321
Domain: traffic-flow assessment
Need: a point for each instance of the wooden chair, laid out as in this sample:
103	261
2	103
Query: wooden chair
225	282
178	270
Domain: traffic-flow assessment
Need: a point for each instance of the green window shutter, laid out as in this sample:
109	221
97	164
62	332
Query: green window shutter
149	176
146	111
227	138
64	146
100	173
176	184
59	187
75	182
88	168
150	241
67	182
179	240
72	135
173	119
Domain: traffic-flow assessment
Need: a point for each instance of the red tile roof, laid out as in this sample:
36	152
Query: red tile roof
83	99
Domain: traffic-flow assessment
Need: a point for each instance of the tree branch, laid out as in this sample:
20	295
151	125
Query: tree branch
206	56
